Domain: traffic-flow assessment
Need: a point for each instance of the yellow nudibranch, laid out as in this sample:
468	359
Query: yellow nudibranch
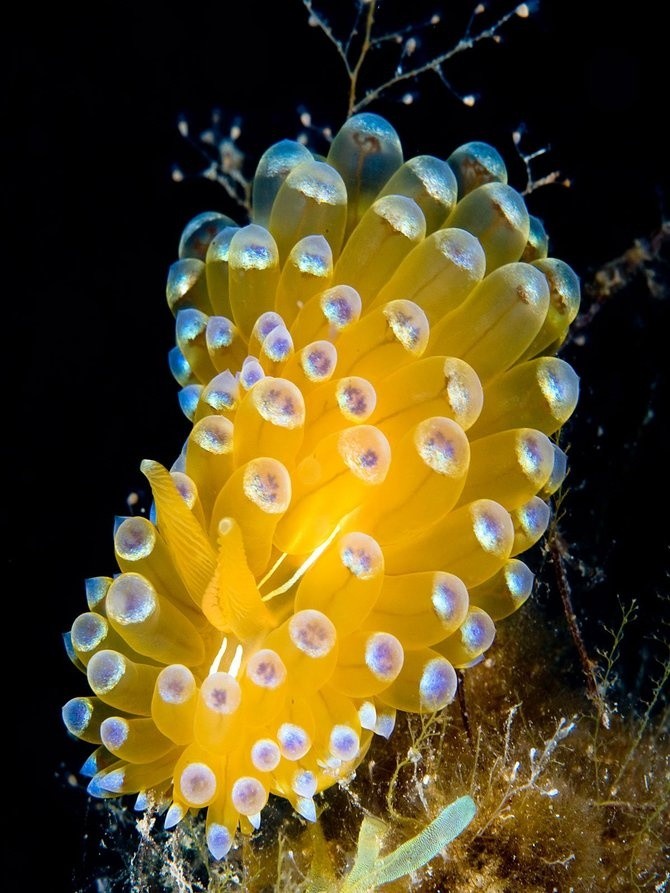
370	370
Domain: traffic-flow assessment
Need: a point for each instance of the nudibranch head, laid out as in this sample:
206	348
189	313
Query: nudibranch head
370	370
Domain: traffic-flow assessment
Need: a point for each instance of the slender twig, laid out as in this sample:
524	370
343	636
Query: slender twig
356	70
607	677
556	552
465	716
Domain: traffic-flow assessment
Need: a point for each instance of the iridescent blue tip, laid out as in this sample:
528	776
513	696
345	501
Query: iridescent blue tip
179	367
77	715
188	399
438	684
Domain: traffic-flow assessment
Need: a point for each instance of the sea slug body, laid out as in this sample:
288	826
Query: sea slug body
370	369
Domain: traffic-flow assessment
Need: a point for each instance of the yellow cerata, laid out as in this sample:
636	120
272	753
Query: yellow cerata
370	370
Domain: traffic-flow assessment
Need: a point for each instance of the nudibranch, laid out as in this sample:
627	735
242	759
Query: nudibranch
370	370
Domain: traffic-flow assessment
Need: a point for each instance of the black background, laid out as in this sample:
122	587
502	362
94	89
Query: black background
92	100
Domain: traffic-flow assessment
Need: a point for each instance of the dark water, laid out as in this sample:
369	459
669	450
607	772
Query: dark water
94	219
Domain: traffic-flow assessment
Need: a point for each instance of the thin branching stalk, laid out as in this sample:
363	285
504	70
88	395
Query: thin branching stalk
539	761
643	725
354	50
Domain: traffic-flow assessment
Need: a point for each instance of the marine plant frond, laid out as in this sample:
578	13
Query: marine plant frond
609	657
421	759
658	692
371	870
